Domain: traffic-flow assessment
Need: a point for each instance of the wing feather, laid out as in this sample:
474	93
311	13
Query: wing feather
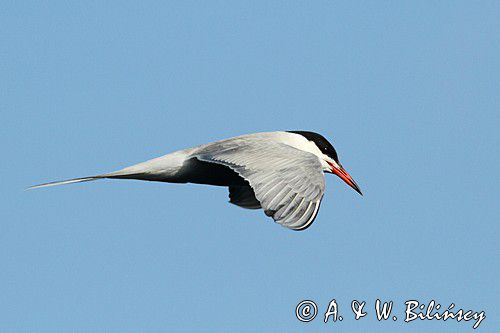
288	182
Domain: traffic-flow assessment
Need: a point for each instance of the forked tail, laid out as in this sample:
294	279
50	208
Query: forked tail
68	181
165	168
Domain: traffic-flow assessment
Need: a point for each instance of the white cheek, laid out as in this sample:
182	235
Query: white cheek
335	164
312	148
299	142
325	166
327	163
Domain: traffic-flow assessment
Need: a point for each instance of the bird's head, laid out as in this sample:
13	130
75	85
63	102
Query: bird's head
329	158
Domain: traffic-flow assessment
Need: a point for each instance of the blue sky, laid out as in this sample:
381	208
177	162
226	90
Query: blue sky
407	93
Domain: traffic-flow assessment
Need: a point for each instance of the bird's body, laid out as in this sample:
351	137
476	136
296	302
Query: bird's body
281	172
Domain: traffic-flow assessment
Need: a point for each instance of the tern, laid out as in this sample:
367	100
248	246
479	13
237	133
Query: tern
281	172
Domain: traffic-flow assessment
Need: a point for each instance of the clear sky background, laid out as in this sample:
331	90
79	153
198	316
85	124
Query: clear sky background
407	92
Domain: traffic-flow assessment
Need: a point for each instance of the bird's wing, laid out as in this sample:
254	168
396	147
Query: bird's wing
289	183
243	196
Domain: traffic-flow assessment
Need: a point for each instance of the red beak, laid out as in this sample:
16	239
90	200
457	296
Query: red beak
345	177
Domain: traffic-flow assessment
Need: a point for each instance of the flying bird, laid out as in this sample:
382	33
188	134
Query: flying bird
280	172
